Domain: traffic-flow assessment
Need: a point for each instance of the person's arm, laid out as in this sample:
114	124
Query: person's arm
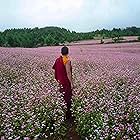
69	74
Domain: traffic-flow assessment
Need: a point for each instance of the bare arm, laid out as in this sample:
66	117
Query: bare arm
69	74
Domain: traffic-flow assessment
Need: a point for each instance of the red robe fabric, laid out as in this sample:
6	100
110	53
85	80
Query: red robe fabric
61	77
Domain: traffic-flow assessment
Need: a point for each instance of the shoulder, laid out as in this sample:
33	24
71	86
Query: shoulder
58	59
68	63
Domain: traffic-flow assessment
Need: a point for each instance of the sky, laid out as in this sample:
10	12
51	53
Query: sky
75	15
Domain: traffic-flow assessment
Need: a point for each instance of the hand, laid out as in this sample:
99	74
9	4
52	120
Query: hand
72	86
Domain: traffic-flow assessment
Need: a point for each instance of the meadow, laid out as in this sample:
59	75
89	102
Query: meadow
106	97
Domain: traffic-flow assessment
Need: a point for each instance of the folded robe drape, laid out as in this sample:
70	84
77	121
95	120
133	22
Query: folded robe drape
61	77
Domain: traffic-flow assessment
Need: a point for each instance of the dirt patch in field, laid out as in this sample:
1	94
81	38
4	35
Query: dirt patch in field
72	134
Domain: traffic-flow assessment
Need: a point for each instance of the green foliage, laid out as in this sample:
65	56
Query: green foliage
34	37
139	38
87	123
1	40
117	39
55	36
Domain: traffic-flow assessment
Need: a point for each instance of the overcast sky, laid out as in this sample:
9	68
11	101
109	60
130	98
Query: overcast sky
77	15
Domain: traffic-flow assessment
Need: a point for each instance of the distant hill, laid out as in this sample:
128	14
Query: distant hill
57	36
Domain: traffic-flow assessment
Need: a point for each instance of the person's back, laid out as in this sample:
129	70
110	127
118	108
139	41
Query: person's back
63	75
60	71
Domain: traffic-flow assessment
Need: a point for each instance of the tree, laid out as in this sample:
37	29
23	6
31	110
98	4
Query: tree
10	41
49	40
1	40
27	37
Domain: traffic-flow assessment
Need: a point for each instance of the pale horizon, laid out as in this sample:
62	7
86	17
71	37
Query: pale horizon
79	15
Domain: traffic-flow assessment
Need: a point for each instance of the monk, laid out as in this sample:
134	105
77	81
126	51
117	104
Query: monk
63	75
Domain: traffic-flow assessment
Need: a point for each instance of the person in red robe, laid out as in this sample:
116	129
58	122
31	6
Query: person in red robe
63	75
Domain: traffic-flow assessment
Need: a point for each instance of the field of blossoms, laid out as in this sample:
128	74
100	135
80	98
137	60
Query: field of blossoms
106	97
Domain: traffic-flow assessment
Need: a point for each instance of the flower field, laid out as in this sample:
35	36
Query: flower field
106	97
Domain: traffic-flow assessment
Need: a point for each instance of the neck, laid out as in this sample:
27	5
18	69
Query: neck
65	55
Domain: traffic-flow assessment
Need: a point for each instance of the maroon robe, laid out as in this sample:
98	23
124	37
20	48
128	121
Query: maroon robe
62	79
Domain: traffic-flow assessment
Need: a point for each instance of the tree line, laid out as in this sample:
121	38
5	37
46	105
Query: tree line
36	37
